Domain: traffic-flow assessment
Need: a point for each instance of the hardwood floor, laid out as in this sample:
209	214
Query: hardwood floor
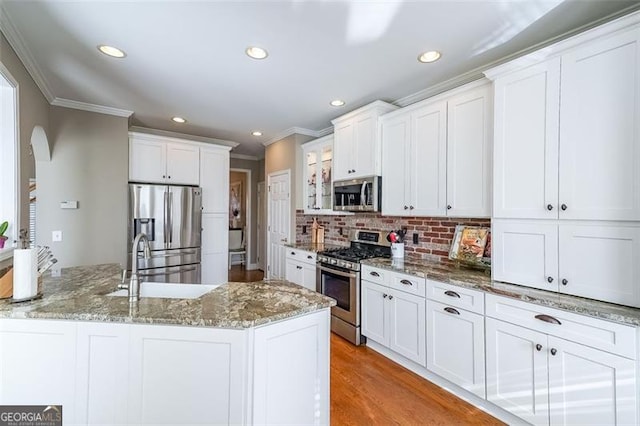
369	389
237	273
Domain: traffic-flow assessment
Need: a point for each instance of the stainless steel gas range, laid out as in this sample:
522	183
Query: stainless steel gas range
338	276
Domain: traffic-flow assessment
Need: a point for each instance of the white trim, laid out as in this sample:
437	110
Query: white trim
167	136
24	54
436	89
17	155
326	131
290	131
251	267
381	107
312	143
247	221
244	157
6	253
84	106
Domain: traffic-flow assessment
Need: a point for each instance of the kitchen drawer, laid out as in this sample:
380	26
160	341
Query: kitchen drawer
374	275
407	283
459	297
301	255
600	334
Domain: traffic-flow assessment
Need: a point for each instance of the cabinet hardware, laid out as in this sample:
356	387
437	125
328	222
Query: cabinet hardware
385	295
565	281
452	311
298	267
554	351
538	347
548	318
550	279
309	257
405	207
293	253
410	207
390	297
169	177
406	282
163	176
448	207
549	207
374	273
452	294
563	207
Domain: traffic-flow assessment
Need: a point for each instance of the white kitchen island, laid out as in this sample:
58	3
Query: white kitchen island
245	353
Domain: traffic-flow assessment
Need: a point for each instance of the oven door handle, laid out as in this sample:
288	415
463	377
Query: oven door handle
337	272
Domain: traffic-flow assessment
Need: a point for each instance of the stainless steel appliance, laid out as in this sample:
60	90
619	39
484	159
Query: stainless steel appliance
358	195
171	218
338	276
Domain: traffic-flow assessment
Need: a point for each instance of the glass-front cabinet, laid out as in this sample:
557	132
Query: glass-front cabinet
318	175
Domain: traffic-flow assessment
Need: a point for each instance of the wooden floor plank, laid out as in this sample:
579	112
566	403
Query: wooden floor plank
238	274
369	389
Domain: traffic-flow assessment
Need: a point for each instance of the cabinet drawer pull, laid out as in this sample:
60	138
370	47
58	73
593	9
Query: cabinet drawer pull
374	273
538	347
452	311
452	294
309	256
548	318
293	253
298	267
406	282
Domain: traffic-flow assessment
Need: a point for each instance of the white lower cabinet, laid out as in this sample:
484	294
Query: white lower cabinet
394	319
215	242
300	268
547	380
455	346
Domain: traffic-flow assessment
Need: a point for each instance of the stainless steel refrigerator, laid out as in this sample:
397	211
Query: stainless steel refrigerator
171	216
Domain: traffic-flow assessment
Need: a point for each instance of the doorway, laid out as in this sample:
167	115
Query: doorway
278	221
240	211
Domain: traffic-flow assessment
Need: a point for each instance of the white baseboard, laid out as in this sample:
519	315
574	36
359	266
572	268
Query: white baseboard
465	395
252	266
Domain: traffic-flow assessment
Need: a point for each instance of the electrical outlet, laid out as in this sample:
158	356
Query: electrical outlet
56	236
415	238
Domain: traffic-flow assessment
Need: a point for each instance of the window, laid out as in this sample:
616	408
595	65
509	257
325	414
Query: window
9	154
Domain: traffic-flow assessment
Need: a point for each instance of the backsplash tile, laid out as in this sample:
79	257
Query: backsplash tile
434	233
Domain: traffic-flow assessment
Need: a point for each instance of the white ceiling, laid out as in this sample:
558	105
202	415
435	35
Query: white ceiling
187	58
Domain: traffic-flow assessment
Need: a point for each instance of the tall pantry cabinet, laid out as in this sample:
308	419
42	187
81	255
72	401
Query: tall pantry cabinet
567	166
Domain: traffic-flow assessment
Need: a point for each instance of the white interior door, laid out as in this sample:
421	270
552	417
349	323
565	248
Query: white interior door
262	236
279	220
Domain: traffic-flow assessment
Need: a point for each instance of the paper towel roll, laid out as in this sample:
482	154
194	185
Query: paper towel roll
25	273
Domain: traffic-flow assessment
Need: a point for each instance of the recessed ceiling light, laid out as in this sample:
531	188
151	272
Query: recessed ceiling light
111	51
337	103
179	120
430	56
256	52
256	133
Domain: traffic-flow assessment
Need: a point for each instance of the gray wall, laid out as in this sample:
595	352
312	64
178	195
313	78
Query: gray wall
34	110
257	175
89	164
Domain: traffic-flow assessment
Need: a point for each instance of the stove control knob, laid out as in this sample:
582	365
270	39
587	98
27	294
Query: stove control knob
348	265
334	262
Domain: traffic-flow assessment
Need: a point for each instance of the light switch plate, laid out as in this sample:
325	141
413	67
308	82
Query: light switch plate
56	236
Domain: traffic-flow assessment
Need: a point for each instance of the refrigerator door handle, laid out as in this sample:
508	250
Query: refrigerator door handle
166	217
170	225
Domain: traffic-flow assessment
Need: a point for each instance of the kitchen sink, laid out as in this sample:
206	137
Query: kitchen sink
168	290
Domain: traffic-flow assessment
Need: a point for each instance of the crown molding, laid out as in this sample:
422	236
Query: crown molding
245	157
84	106
326	131
24	54
180	137
290	131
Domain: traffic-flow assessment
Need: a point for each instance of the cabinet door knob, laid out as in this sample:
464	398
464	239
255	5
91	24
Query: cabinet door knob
405	207
448	207
309	257
563	207
163	176
538	347
554	351
452	311
410	207
298	267
385	295
293	253
452	294
353	170
390	297
549	207
565	281
550	279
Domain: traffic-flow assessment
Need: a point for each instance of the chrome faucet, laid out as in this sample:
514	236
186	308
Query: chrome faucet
134	283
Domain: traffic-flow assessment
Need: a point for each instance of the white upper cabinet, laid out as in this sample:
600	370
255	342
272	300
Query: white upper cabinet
356	142
318	175
469	118
153	159
439	151
600	129
567	133
526	142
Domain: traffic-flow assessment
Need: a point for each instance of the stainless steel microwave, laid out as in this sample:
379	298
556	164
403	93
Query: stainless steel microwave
358	195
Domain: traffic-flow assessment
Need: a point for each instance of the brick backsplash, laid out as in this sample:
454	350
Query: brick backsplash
434	233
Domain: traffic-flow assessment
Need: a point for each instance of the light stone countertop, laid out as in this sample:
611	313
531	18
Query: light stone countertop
80	294
479	280
314	247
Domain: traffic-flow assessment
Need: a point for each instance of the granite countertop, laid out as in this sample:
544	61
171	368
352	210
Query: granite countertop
80	294
314	247
479	280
